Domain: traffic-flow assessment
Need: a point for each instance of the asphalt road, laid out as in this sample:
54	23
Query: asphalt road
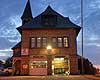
56	77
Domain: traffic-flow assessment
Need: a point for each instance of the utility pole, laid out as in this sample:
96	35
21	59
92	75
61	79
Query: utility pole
82	57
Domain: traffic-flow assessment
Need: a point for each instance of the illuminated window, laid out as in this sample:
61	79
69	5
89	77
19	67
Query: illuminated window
54	42
59	59
38	42
33	41
60	42
44	42
65	42
39	64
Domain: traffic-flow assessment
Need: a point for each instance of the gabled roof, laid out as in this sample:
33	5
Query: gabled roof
50	11
27	12
18	45
62	22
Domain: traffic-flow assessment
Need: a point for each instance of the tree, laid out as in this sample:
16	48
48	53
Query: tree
1	62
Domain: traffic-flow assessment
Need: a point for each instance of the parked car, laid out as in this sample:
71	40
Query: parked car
2	73
9	70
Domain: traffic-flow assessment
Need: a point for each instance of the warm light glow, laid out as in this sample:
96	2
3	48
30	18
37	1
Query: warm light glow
49	47
58	59
53	67
67	73
32	67
99	70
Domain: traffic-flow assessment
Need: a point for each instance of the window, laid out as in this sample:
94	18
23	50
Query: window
54	42
65	42
44	42
49	20
39	64
60	41
33	41
38	42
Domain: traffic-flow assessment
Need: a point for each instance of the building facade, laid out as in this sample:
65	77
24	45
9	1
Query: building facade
48	44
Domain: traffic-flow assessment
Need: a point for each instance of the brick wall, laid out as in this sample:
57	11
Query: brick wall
70	33
71	50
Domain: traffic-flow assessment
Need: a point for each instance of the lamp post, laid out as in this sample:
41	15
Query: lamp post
49	59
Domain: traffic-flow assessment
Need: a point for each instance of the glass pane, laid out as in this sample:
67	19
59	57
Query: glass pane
38	44
59	44
39	64
32	39
59	39
32	45
53	40
66	42
38	39
44	39
32	42
44	44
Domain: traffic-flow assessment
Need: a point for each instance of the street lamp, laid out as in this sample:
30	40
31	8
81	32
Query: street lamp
49	47
49	59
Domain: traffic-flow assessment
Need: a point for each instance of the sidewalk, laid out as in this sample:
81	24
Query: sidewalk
92	77
55	77
97	75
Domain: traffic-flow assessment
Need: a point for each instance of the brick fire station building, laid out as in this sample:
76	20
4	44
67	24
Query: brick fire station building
48	44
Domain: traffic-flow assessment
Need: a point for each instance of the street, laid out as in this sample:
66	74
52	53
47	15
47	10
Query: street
56	77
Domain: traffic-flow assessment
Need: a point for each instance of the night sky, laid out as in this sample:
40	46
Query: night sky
12	10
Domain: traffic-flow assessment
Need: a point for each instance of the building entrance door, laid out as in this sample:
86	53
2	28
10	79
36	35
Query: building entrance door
60	66
17	66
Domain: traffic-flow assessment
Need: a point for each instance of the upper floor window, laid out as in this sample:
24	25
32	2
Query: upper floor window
33	42
65	42
60	42
38	42
54	42
49	20
44	42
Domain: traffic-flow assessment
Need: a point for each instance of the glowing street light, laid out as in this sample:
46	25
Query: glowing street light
49	47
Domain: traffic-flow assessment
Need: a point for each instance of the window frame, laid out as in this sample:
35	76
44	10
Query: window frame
43	42
59	42
67	41
48	19
31	42
54	46
39	42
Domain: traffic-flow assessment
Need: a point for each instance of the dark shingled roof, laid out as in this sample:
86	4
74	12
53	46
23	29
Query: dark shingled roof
18	45
18	54
19	29
62	22
27	12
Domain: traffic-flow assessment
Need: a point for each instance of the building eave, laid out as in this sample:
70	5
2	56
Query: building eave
18	45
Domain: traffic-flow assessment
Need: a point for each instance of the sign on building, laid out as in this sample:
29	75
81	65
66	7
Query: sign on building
24	51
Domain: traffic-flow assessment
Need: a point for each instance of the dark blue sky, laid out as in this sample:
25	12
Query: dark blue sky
11	11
